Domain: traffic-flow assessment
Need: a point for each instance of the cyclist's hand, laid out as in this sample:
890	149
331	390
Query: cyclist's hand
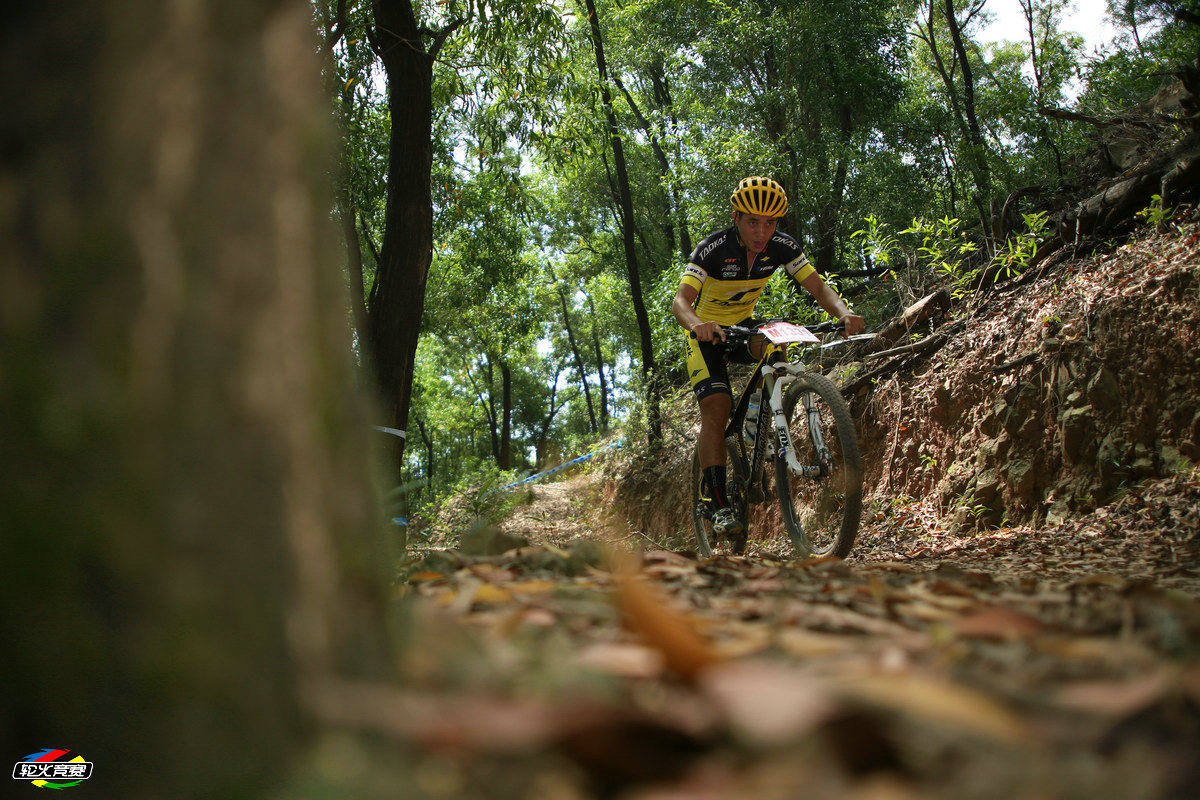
854	324
708	332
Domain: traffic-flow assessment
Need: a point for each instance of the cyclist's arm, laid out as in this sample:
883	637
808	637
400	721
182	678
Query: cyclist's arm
687	317
829	300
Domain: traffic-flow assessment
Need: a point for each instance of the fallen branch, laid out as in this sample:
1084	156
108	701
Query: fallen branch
929	343
1028	358
1096	122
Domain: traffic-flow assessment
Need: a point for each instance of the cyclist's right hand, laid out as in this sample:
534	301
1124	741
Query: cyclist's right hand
708	332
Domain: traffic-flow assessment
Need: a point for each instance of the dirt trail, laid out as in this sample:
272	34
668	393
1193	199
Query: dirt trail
1028	627
1013	663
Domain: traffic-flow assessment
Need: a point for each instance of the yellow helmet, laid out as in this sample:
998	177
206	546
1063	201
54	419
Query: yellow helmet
761	196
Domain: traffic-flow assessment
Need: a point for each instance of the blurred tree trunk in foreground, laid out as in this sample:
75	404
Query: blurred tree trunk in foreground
192	546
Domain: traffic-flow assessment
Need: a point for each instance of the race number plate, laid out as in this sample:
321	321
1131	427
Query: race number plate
784	332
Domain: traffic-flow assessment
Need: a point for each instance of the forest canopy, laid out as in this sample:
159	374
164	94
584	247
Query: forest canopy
522	181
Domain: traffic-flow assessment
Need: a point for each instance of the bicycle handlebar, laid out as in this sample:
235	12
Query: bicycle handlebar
736	334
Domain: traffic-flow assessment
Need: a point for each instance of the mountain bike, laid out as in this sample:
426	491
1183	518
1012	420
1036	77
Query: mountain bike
797	421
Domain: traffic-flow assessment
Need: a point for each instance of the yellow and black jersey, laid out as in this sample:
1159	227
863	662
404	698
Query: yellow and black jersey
728	284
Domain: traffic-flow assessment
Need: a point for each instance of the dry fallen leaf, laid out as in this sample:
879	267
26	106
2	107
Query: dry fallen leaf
648	614
997	622
938	700
765	703
626	660
809	644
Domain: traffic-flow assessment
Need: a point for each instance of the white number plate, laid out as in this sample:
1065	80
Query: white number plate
784	332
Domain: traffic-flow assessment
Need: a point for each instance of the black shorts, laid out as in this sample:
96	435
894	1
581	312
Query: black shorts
706	363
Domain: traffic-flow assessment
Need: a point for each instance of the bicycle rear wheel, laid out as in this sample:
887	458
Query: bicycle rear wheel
705	538
821	508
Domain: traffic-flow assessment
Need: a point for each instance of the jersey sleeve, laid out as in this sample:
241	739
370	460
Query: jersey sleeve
799	267
693	276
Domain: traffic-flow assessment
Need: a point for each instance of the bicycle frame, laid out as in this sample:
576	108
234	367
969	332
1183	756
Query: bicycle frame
807	463
775	378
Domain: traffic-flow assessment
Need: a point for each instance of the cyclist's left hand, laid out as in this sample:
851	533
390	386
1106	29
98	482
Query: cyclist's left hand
854	324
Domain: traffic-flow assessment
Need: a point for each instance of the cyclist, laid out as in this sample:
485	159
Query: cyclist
720	286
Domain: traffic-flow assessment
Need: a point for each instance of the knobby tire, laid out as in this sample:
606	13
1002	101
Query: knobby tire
821	515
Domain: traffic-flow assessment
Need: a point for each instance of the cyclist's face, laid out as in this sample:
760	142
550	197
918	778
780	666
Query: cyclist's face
755	230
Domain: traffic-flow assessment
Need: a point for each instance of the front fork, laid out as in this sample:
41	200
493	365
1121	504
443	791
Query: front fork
778	378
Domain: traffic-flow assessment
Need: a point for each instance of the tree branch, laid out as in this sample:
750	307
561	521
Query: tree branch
440	37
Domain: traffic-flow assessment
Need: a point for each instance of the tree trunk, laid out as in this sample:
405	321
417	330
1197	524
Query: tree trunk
354	267
664	167
398	296
976	145
653	419
430	452
193	553
963	108
830	210
487	401
1035	59
662	95
599	364
587	392
505	461
543	435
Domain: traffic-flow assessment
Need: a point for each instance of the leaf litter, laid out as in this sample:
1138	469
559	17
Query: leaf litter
1033	660
1059	662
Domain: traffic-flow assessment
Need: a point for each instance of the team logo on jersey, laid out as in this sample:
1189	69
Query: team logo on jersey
730	271
798	264
712	246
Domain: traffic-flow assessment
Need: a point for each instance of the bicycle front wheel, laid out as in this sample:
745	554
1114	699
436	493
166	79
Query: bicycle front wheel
821	503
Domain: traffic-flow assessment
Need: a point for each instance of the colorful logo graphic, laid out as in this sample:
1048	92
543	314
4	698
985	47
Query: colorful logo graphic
53	769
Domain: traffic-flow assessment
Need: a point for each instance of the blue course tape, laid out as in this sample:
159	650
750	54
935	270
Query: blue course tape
538	476
554	470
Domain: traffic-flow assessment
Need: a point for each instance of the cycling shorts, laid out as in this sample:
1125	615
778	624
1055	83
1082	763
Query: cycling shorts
706	363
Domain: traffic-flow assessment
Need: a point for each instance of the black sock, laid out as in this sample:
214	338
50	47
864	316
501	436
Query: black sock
715	478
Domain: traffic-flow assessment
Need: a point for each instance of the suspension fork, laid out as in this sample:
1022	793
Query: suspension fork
778	378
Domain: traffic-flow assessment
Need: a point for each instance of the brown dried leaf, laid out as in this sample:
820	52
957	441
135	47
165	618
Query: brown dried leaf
626	660
765	703
809	644
647	613
940	701
997	622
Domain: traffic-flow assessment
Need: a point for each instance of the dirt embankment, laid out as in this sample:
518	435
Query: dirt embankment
1046	402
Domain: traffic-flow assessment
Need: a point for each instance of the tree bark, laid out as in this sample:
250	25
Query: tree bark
192	546
599	363
660	157
653	418
506	403
397	298
587	392
430	452
662	95
962	107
